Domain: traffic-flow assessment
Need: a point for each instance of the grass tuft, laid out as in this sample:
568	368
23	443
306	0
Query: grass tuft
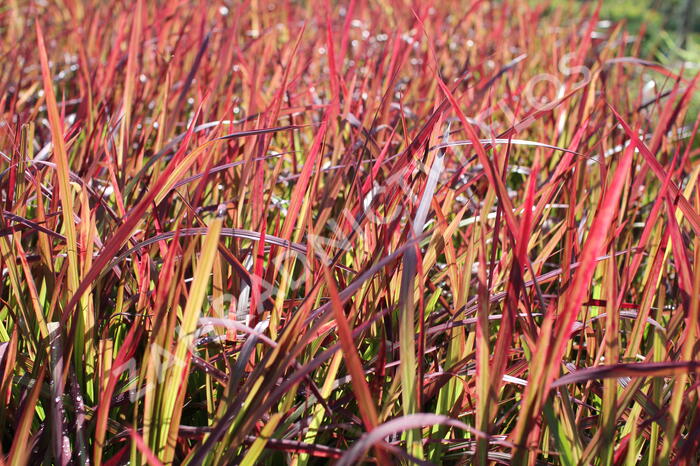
304	232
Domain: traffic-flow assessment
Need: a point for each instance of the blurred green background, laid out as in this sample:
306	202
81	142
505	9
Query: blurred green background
672	35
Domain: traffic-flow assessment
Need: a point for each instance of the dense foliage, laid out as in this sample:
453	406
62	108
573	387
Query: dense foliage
300	232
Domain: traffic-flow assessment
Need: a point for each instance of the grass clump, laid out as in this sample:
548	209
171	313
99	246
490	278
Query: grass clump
256	233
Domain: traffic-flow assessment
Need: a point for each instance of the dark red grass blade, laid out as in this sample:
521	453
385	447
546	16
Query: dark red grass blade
647	369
